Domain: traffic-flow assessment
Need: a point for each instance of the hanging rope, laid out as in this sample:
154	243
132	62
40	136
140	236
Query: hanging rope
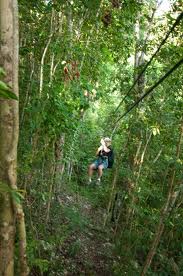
149	62
148	92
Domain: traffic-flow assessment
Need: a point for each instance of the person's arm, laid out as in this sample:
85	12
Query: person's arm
102	142
106	148
104	145
98	150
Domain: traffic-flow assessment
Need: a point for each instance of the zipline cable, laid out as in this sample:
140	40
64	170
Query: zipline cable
149	62
148	92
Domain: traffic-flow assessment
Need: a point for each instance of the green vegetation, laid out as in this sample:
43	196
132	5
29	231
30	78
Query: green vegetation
80	69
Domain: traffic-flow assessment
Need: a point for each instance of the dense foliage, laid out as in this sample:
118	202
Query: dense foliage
78	59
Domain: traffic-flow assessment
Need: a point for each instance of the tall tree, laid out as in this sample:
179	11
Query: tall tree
9	130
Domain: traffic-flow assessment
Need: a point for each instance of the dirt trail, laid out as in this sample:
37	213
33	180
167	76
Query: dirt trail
89	249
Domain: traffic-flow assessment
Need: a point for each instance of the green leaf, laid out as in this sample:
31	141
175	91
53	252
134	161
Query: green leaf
4	188
2	72
17	195
42	264
4	87
6	93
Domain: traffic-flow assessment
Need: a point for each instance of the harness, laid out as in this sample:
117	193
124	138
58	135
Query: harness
103	154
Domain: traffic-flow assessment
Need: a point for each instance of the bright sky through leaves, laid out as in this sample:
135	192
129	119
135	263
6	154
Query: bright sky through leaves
164	7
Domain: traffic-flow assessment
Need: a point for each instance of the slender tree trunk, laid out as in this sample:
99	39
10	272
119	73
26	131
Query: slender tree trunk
59	169
51	185
164	213
111	196
135	162
50	193
27	92
51	69
149	27
139	59
70	30
142	157
130	211
44	54
157	156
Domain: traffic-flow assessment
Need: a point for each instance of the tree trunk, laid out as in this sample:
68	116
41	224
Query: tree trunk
8	133
157	156
44	54
50	193
112	195
139	59
28	90
60	165
23	268
142	157
9	130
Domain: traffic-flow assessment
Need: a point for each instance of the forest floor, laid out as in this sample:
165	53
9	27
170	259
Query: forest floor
88	249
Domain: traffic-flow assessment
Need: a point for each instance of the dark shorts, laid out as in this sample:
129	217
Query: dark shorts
101	161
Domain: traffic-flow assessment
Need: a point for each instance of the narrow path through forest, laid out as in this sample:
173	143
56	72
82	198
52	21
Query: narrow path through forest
89	249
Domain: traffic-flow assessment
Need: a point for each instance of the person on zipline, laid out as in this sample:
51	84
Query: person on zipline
104	160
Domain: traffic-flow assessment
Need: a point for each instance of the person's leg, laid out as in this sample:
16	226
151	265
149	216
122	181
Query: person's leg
101	167
91	169
100	171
